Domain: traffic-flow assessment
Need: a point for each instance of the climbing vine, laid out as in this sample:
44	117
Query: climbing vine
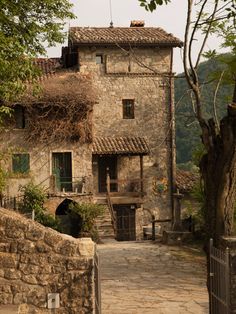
60	109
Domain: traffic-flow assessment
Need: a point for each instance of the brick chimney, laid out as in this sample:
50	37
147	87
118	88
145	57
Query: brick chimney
137	23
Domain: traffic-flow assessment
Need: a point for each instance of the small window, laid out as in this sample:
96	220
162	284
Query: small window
99	59
19	116
20	163
128	108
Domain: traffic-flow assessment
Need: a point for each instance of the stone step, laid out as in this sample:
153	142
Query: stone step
100	200
104	225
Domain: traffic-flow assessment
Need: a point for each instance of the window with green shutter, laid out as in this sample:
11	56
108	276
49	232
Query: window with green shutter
20	163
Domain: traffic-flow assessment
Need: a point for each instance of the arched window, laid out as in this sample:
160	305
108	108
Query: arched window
70	224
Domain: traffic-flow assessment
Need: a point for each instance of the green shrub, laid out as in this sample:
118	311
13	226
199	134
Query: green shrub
88	213
33	200
199	216
3	179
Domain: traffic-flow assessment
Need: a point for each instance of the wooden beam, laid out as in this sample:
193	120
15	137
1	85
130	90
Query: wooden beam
141	172
108	181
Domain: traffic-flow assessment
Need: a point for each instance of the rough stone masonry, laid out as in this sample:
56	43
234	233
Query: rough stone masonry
36	261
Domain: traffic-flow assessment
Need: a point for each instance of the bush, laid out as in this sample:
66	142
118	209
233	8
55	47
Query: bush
33	200
88	213
200	215
3	179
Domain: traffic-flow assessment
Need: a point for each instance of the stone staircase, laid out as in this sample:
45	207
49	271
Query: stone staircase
104	225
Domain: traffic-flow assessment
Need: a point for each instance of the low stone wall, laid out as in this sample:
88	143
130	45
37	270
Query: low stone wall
36	261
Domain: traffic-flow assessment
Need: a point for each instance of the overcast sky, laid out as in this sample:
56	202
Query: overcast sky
97	13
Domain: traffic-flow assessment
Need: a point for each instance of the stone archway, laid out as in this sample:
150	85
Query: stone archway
70	224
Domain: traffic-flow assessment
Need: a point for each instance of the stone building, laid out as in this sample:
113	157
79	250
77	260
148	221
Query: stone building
132	154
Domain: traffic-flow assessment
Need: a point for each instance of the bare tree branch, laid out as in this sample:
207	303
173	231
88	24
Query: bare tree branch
207	33
194	74
214	101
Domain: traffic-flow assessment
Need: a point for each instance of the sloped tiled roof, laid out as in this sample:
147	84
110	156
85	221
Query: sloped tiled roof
120	145
185	180
48	66
145	36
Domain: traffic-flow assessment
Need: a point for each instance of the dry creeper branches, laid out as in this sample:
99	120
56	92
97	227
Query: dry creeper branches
62	110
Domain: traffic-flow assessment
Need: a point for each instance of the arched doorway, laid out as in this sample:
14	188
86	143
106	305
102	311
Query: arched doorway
70	224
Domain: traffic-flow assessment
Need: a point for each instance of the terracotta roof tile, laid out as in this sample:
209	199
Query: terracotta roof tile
48	65
185	180
120	145
147	36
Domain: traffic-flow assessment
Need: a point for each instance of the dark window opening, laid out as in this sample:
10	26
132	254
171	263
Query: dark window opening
19	117
20	163
128	108
99	59
70	57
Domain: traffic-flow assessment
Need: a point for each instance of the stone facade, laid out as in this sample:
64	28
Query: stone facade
144	75
41	161
36	261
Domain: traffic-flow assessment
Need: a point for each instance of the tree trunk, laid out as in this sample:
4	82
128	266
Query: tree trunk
218	170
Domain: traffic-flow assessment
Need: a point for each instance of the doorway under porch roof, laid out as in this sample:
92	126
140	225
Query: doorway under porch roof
119	159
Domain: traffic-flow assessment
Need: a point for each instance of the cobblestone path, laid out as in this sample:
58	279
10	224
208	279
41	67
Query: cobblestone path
150	278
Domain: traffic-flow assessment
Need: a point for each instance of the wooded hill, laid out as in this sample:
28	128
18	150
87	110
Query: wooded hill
187	130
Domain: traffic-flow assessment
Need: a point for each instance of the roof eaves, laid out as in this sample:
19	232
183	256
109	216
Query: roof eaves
126	43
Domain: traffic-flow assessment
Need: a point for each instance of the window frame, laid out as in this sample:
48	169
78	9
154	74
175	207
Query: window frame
128	113
19	165
101	58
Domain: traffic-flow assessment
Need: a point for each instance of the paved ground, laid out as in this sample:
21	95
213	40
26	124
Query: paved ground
149	278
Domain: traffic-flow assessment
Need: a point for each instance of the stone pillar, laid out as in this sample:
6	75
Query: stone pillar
52	184
230	242
177	226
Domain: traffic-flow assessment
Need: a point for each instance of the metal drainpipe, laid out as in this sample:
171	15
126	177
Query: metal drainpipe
172	138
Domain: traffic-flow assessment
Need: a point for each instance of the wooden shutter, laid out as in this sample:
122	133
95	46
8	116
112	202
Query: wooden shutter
20	163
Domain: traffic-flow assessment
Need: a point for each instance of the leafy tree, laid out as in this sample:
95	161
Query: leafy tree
217	165
25	27
187	129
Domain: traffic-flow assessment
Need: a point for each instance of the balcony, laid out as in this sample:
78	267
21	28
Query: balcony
68	185
128	191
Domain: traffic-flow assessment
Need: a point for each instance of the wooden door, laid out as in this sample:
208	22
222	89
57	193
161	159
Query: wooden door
126	230
62	169
104	163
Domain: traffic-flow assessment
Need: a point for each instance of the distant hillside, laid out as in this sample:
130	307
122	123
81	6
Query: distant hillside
187	129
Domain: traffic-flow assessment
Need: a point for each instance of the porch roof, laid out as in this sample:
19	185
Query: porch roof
120	146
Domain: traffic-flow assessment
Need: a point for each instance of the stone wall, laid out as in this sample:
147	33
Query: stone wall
54	201
36	261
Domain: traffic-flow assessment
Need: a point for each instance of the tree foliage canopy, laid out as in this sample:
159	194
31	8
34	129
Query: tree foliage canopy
217	165
187	130
26	28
